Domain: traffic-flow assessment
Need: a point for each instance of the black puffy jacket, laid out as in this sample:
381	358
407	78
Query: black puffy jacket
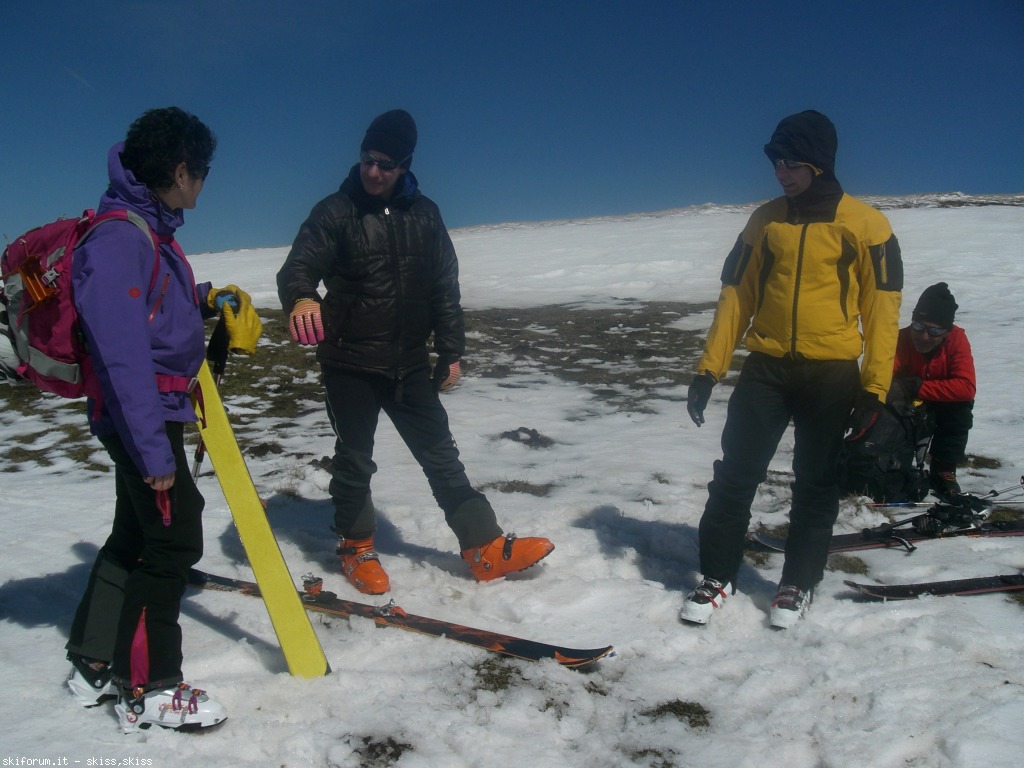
391	276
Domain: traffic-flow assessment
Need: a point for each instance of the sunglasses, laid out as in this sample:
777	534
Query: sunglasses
385	165
199	173
931	330
794	164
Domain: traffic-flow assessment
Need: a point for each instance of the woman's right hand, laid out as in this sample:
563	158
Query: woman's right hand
162	483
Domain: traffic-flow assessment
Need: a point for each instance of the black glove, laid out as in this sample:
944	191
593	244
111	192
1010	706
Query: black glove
866	411
904	390
443	369
698	395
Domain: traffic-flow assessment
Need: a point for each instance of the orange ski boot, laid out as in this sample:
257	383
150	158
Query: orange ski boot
361	566
506	554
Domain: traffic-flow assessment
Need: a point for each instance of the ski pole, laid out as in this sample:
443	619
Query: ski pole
217	356
990	495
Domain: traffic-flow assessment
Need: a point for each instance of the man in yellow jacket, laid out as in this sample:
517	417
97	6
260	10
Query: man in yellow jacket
812	284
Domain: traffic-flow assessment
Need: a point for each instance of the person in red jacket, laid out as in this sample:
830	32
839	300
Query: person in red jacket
934	364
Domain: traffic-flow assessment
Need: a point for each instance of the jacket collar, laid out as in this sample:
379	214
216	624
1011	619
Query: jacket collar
126	192
406	192
818	203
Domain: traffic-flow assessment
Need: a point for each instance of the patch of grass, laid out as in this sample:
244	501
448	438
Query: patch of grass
759	558
653	757
21	397
528	437
690	712
378	752
847	564
983	462
496	674
627	354
16	455
759	555
774	531
1005	514
519	486
259	450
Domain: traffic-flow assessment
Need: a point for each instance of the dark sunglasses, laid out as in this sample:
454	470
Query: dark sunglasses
385	165
931	330
199	173
791	164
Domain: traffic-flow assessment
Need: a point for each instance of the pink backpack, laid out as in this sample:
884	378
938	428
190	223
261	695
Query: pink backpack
43	324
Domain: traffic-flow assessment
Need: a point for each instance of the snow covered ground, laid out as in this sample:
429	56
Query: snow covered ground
934	682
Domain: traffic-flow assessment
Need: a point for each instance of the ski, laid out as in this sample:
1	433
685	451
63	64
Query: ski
295	633
981	585
886	537
319	601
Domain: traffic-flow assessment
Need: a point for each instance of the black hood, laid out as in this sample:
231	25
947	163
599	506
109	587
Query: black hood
808	137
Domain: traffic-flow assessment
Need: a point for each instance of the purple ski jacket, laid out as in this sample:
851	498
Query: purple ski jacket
134	333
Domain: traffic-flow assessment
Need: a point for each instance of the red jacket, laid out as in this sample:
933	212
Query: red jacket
947	373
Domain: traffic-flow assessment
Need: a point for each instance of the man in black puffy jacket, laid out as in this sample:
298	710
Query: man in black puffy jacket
383	254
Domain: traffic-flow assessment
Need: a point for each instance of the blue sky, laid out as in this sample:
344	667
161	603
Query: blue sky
526	110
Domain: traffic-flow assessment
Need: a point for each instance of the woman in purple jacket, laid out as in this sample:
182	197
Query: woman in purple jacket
142	314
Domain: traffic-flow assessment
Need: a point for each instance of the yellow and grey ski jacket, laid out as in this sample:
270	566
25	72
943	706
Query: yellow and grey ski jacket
796	287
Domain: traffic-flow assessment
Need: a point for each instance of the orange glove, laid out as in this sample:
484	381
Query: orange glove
305	324
447	372
454	374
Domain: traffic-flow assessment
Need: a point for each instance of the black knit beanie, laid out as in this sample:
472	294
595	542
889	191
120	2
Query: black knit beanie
936	305
394	134
808	137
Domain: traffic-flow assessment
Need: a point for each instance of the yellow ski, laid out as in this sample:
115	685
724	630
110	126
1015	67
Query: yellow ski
295	633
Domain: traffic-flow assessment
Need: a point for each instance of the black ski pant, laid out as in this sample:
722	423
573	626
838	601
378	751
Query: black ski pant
129	613
817	395
953	422
354	403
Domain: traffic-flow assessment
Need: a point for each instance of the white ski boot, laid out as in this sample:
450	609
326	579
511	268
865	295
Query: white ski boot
789	605
89	681
701	603
178	706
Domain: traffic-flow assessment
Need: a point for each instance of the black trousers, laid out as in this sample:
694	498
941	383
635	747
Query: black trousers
129	613
817	395
953	422
354	403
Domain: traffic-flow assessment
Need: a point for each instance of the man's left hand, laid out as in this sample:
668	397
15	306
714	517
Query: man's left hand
447	372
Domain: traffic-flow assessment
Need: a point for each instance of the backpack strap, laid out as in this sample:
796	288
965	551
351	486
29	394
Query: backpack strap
120	214
165	382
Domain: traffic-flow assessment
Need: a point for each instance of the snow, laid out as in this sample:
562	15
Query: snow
933	682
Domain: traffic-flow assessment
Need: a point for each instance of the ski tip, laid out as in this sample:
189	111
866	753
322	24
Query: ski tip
860	589
582	659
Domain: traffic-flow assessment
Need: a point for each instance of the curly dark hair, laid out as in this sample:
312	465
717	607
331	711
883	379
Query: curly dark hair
160	139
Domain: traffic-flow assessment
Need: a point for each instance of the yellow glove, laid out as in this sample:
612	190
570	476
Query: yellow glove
243	324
